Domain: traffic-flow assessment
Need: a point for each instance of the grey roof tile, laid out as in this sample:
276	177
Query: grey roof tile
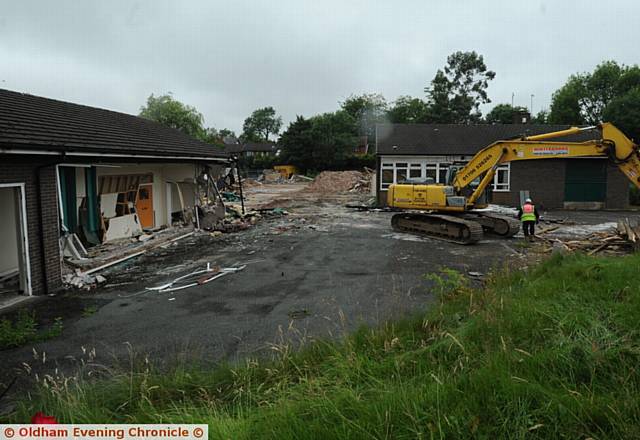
36	123
453	139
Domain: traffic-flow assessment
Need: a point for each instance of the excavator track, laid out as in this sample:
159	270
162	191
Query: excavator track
442	227
496	224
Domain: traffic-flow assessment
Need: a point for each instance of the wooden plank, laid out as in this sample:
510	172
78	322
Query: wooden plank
630	234
544	231
598	249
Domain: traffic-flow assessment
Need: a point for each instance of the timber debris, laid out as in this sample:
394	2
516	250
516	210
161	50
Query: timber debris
622	239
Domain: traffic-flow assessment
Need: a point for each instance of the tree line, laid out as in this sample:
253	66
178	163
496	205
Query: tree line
454	96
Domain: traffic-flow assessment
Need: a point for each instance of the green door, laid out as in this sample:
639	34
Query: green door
585	180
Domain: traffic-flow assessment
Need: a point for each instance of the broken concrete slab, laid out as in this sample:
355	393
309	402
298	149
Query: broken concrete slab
123	227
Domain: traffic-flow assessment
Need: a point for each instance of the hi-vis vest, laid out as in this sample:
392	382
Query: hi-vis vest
528	213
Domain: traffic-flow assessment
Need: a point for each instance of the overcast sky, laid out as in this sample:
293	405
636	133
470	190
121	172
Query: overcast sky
228	58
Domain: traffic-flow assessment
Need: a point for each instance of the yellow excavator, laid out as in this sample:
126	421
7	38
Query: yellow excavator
450	211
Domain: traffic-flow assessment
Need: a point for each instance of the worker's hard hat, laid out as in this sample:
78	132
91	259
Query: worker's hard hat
527	201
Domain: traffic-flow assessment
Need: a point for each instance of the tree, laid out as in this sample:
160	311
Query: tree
584	97
171	113
226	133
541	118
322	142
504	114
261	124
334	138
624	112
565	103
297	143
367	110
408	110
456	93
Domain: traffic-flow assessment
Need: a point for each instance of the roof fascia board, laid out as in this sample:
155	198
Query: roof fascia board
107	155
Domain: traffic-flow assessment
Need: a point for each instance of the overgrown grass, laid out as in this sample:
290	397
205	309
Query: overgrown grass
549	353
24	330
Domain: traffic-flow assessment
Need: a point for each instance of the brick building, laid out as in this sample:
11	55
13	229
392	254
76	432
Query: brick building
427	150
59	160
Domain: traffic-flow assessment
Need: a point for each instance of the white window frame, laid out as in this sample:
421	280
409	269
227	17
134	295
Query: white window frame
435	163
502	186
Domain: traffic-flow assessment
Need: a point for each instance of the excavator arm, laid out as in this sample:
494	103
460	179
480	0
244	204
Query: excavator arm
613	144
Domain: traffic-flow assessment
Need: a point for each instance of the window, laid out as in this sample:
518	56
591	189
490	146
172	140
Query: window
434	167
415	170
501	181
402	172
442	172
387	175
432	171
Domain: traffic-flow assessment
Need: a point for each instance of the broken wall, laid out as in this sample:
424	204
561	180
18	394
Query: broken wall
165	197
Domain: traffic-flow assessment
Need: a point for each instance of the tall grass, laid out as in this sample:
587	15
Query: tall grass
549	353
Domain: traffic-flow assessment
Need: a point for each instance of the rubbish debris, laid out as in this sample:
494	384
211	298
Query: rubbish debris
82	280
196	278
123	226
341	181
619	239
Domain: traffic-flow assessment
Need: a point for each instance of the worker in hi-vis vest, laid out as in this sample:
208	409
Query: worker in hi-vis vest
529	216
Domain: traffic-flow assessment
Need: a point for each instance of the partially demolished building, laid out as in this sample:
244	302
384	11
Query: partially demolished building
73	176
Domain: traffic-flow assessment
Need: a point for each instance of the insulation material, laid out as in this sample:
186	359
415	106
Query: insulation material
108	204
123	227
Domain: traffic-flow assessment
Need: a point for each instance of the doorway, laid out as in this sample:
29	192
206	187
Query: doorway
15	273
144	205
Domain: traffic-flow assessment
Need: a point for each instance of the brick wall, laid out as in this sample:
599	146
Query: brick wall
42	219
545	180
617	189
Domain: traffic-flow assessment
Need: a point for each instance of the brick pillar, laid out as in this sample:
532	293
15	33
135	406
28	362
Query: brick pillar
49	222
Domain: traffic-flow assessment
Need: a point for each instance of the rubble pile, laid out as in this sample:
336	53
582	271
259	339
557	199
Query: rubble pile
81	280
622	239
341	181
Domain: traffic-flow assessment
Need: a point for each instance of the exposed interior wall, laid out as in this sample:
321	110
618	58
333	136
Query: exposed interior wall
165	200
9	259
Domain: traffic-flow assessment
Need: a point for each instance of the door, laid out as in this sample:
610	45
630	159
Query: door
15	271
144	205
585	180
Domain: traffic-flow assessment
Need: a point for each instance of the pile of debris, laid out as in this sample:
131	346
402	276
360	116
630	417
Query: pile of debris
624	238
342	181
82	280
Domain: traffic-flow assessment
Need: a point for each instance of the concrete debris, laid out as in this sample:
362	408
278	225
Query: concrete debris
145	237
123	226
81	280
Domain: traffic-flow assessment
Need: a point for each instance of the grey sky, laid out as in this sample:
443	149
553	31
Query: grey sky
228	58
